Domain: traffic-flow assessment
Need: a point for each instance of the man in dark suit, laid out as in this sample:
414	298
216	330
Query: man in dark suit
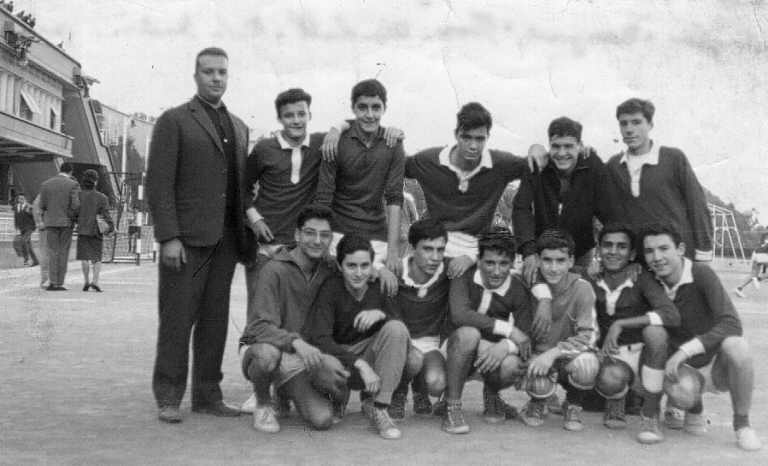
60	203
196	192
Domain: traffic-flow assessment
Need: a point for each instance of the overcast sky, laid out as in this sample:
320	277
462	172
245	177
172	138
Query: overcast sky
703	63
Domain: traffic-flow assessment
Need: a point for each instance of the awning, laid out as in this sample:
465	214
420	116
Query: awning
30	102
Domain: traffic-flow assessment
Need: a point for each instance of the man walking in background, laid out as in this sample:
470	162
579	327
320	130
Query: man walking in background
59	203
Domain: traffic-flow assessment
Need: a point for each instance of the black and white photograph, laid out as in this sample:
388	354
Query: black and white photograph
325	232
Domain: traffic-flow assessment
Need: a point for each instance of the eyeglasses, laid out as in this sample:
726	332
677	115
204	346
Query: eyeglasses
323	235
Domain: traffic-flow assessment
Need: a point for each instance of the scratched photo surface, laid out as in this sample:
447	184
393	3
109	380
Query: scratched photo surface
702	63
77	367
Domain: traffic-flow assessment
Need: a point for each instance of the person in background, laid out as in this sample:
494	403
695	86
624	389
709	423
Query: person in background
759	264
59	203
93	205
24	222
42	255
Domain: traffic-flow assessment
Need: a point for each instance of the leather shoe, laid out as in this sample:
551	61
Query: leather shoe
217	408
169	414
55	288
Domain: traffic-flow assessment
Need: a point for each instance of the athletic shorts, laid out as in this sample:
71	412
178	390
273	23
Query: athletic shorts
715	375
427	344
461	244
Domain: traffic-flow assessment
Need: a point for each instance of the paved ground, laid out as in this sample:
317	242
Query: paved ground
75	389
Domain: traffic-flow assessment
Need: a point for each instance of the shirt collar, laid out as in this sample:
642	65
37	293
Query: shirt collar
285	145
355	132
221	106
421	287
651	158
445	158
501	291
685	278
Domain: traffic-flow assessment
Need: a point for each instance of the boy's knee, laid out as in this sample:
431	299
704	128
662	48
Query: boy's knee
435	381
736	351
414	363
261	358
395	329
466	337
655	337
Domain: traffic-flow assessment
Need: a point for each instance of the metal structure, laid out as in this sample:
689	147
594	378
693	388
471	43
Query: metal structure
133	238
726	233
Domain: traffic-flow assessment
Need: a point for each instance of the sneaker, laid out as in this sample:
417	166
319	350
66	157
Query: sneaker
396	408
739	293
572	418
169	414
650	432
265	419
614	416
755	282
384	424
747	439
554	405
533	413
674	418
421	403
453	420
249	405
495	410
695	424
440	408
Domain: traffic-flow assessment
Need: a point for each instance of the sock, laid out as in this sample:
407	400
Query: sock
740	420
575	397
651	404
653	379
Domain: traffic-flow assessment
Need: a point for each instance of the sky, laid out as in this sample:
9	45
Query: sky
704	64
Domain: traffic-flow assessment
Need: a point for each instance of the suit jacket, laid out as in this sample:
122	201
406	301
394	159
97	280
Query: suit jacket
92	204
59	201
187	178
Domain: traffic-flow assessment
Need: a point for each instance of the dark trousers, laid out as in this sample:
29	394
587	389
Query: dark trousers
58	239
197	296
26	245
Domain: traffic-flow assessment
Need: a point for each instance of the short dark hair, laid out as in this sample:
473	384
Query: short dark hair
369	88
636	105
555	238
214	51
67	167
291	96
350	244
426	229
473	115
660	228
314	211
564	126
616	227
90	178
497	239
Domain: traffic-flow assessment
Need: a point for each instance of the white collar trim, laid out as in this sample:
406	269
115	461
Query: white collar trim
422	288
652	157
285	145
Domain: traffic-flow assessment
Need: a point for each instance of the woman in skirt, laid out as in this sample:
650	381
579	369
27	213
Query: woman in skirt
93	205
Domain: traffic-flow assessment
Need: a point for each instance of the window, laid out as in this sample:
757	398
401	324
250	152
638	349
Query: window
54	120
27	107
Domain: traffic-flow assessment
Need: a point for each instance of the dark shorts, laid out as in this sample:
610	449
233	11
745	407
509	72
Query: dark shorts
89	248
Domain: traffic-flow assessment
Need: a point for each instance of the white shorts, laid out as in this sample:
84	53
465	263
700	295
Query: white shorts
461	244
427	344
630	354
379	249
710	372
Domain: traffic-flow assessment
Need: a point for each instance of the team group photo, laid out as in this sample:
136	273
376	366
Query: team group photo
344	248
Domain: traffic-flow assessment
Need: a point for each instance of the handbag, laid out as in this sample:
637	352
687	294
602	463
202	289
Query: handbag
102	226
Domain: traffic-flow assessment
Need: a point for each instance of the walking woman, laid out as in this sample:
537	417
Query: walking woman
93	205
